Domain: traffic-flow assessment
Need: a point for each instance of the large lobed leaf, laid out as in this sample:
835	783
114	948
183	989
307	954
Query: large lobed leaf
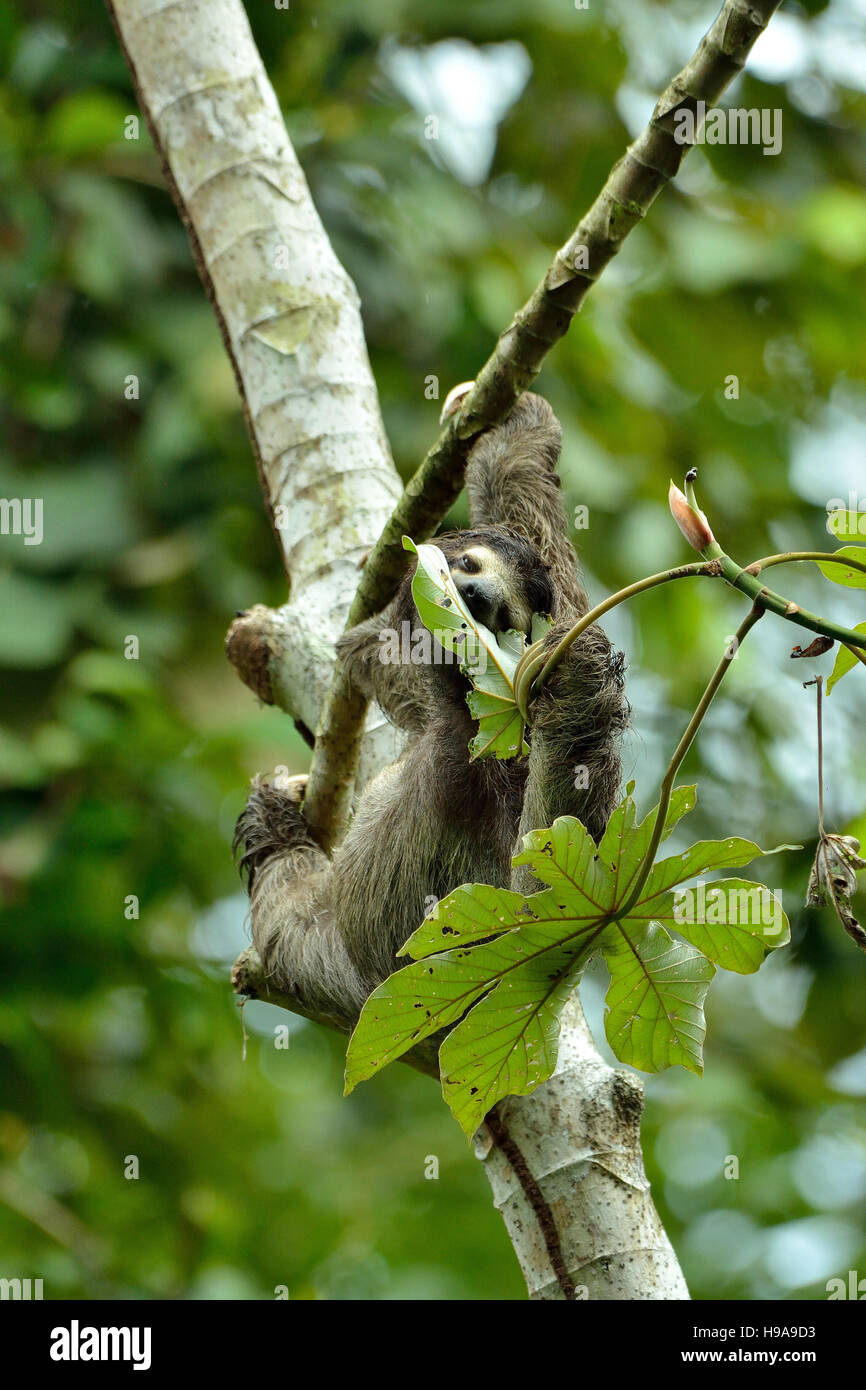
496	967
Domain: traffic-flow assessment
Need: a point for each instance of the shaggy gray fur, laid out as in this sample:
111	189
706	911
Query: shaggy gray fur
327	930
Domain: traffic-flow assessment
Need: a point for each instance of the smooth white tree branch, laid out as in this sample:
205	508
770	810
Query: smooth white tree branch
289	315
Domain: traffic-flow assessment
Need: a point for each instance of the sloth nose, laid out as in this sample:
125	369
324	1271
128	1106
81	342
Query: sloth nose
480	596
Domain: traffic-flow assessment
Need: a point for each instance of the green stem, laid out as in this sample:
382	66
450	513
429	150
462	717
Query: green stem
795	556
533	662
680	751
819	681
791	556
533	670
750	585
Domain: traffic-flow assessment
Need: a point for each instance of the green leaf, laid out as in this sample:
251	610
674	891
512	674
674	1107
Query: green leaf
440	607
501	726
845	661
480	912
734	922
540	626
850	576
508	1043
500	965
435	992
489	661
469	914
655	1000
565	856
845	525
412	1004
700	858
489	664
624	845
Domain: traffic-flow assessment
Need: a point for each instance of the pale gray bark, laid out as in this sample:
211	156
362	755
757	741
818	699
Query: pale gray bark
579	1135
289	314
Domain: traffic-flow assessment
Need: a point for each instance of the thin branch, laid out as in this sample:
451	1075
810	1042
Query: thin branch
680	751
789	557
632	186
749	584
819	681
534	666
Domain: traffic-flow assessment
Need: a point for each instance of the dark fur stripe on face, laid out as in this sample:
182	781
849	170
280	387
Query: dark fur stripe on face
517	552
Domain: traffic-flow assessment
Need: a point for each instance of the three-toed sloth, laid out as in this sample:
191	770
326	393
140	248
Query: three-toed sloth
327	928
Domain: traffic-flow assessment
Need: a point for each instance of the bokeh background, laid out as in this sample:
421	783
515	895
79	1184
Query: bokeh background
121	1037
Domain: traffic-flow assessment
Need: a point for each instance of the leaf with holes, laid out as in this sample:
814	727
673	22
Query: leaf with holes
496	967
489	661
508	1042
656	998
435	992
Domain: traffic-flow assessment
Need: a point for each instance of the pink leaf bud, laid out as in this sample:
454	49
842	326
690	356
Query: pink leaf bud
691	521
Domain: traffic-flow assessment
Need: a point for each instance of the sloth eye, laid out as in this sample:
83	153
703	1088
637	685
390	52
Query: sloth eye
469	565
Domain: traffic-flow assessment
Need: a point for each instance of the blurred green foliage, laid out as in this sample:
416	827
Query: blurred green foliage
120	1035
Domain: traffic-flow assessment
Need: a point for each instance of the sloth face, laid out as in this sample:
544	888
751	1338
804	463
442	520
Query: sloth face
487	587
502	581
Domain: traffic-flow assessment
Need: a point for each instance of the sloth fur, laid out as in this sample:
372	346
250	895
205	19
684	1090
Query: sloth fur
327	929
